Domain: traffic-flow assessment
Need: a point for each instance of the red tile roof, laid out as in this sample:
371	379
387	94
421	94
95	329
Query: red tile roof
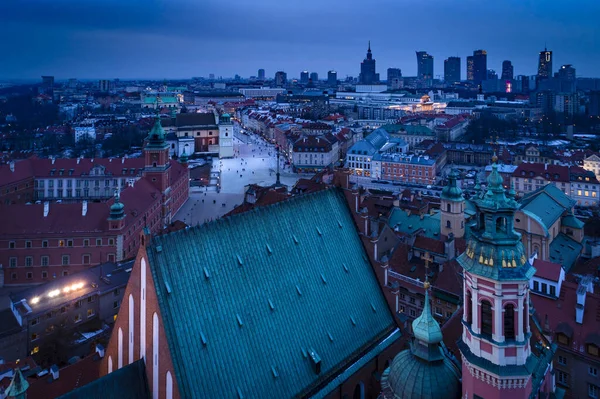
547	270
71	377
20	219
549	172
558	315
429	244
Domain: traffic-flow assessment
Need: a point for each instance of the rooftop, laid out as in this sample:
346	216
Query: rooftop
282	293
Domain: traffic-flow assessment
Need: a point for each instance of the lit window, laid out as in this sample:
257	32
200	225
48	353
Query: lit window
91	313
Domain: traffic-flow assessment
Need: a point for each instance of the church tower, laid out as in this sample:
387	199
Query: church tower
452	208
157	166
495	346
225	137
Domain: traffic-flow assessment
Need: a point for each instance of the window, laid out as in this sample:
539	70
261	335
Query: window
592	391
116	292
85	259
86	243
562	377
111	241
77	318
115	304
13	276
91	299
486	318
35	321
44	274
592	350
544	288
11	245
562	360
69	243
45	260
34	336
439	311
412	300
563	339
29	275
413	313
12	262
536	285
552	290
91	313
98	242
29	261
65	273
35	350
593	371
44	244
65	260
27	244
509	322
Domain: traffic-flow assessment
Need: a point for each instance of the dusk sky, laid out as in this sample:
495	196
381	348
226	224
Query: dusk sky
185	38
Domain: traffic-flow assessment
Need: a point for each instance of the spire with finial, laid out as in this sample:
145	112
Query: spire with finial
426	329
117	209
18	386
183	159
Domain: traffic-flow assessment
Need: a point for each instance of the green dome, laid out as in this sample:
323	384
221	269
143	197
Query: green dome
451	191
411	377
156	137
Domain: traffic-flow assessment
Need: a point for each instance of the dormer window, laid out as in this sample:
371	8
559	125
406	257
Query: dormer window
592	349
60	172
563	339
52	172
71	172
522	173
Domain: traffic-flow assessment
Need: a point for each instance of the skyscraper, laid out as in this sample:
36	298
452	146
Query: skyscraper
280	78
507	70
452	70
332	78
261	74
394	78
304	77
368	76
479	66
48	85
470	68
424	66
566	78
545	65
314	77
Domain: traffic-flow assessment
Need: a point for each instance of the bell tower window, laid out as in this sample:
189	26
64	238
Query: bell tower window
509	321
448	208
486	318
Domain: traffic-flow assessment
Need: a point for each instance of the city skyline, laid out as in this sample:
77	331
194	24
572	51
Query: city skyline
176	40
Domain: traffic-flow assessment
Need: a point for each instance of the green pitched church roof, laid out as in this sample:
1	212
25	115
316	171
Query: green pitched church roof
128	382
251	303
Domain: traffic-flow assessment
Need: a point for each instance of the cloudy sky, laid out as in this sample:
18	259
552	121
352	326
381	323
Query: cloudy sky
184	38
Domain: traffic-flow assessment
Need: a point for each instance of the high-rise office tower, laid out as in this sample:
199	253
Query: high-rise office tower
304	77
491	74
332	78
470	68
314	77
545	65
48	85
452	70
368	76
507	70
424	66
566	78
479	66
280	78
261	74
393	73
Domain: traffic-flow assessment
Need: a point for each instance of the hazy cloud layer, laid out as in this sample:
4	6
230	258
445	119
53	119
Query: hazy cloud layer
184	38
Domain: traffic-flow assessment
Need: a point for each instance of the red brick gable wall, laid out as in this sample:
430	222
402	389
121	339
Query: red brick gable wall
165	363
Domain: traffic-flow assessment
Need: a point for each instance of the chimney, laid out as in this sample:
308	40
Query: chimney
123	160
12	166
315	361
100	350
84	208
54	371
53	159
46	208
78	159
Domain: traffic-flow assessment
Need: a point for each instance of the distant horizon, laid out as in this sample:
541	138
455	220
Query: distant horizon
180	39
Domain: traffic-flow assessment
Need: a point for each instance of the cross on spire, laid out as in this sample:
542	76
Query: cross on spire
427	258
